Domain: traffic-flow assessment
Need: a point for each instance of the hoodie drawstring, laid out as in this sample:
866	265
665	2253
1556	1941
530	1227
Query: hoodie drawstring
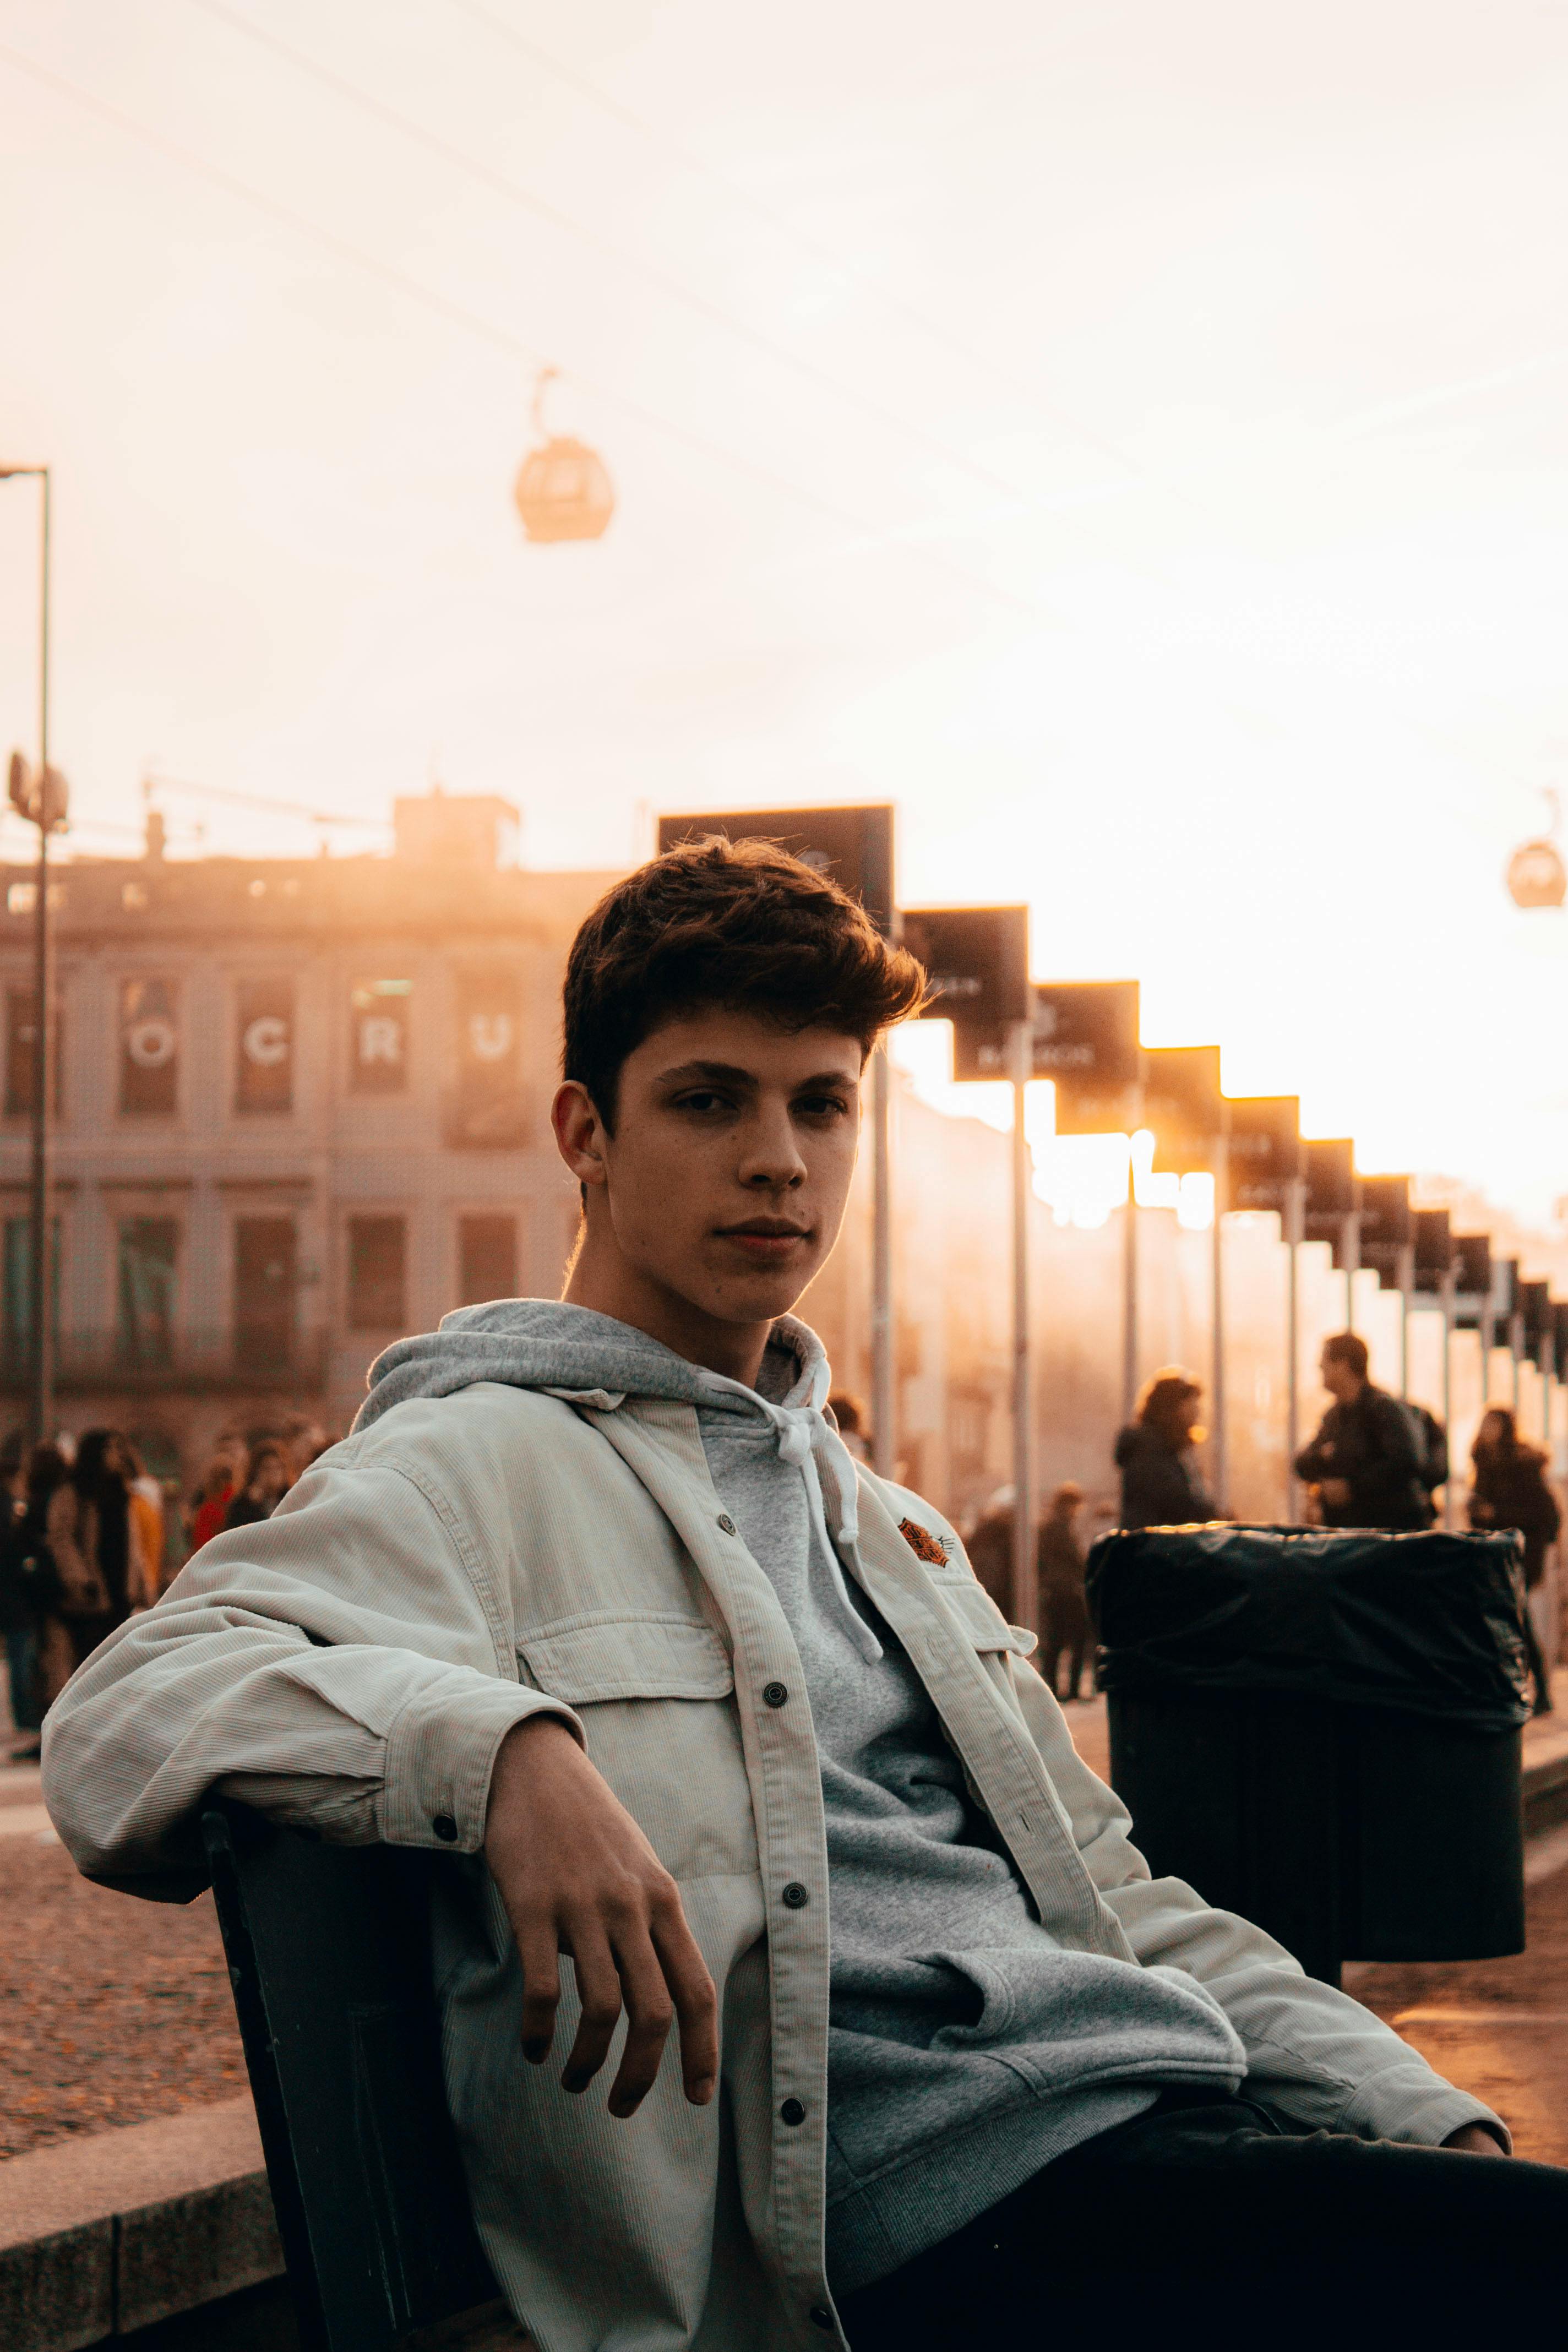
803	1432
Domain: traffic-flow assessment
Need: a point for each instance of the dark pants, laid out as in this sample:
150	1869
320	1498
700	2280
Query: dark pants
22	1659
1217	2221
1064	1625
1540	1672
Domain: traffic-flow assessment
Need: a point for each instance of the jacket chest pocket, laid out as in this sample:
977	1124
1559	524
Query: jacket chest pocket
656	1695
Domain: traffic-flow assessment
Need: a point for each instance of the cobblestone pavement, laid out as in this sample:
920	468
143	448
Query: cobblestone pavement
113	2011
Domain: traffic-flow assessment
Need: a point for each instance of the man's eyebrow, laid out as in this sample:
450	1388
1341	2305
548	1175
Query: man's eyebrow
726	1074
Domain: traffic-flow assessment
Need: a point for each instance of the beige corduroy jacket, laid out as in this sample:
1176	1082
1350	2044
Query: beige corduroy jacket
353	1664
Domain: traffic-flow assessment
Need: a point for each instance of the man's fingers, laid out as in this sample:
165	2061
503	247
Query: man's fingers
599	1990
650	2013
536	1949
696	2002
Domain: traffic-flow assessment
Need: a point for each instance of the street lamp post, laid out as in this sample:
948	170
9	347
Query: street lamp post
41	798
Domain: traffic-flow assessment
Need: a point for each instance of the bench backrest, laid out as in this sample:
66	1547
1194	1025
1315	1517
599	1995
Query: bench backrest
329	1954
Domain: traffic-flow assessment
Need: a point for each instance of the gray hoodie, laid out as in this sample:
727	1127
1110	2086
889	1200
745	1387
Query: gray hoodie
966	2047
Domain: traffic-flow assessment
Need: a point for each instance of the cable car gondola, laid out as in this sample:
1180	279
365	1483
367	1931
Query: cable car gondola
1535	874
562	489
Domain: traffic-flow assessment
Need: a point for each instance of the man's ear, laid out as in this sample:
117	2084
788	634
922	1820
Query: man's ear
579	1132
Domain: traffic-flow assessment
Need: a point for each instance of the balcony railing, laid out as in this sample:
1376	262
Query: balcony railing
195	1363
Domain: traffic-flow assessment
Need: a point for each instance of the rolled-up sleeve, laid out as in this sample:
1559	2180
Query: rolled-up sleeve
336	1665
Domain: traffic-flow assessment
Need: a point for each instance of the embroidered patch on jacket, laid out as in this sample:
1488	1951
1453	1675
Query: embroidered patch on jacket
922	1543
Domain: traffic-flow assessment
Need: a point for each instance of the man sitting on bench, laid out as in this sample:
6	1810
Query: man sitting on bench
595	1601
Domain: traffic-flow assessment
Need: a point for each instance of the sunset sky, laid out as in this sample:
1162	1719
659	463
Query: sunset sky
1134	438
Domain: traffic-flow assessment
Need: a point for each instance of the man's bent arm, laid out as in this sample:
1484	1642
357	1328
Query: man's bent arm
334	1666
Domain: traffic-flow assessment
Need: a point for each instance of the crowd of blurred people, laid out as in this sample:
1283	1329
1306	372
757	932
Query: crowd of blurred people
1376	1460
89	1535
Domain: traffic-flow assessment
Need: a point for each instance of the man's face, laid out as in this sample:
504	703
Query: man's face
1338	1380
726	1178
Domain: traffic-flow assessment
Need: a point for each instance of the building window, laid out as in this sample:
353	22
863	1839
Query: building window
149	1049
18	1302
265	1280
378	1253
487	1259
148	1248
486	1104
264	1061
378	1036
21	1049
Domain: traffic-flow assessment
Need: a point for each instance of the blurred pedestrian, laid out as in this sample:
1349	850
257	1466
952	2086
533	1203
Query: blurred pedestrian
102	1473
851	1414
1159	1485
61	1536
1510	1490
216	1489
304	1440
146	1499
989	1549
267	1481
1367	1459
1063	1612
18	1602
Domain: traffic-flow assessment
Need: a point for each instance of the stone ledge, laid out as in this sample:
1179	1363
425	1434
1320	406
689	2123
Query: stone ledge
121	2229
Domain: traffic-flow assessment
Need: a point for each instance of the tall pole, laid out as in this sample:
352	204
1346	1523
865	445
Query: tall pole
1295	1218
884	1450
1407	1285
1216	1376
1515	1350
1025	1610
43	808
1449	1289
1350	1250
1130	1277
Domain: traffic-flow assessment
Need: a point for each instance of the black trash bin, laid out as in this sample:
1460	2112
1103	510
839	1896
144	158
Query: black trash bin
1322	1731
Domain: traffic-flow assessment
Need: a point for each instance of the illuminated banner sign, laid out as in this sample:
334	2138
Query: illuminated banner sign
977	961
1536	1306
1266	1156
487	1107
378	1036
1473	1254
1387	1228
1084	1040
1183	1105
1434	1248
855	846
149	1049
1334	1190
264	1057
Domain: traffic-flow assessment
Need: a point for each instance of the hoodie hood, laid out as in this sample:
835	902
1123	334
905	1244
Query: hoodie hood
586	1359
592	1360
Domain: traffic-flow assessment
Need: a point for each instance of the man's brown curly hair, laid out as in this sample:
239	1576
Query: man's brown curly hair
741	924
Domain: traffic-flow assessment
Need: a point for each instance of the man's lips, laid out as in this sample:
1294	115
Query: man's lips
765	1237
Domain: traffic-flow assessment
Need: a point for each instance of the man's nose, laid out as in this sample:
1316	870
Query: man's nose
771	1157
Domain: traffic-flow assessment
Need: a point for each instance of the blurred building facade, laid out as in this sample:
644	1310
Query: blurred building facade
301	1109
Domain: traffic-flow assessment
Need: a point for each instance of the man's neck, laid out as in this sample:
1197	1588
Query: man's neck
603	1281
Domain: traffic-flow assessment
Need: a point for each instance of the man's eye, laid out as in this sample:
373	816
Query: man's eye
821	1105
702	1099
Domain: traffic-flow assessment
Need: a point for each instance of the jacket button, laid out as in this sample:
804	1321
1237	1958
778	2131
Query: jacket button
820	2315
795	1896
726	1524
446	1829
776	1694
792	2112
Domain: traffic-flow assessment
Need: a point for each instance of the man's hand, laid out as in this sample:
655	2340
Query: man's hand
1476	2141
577	1875
1336	1492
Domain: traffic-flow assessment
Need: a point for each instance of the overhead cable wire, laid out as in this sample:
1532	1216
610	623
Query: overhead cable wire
732	191
504	338
675	289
